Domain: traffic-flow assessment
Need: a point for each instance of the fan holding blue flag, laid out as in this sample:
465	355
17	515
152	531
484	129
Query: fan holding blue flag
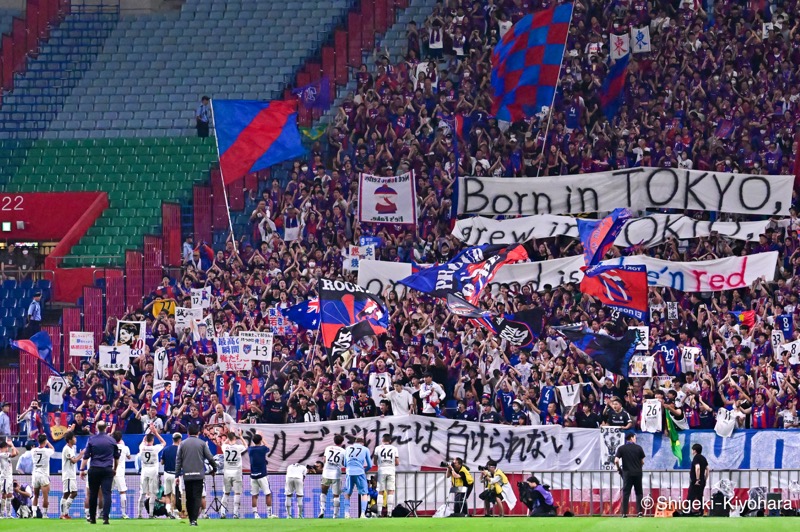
40	345
597	236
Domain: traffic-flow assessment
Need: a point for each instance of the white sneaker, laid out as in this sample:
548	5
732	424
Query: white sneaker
272	516
223	515
125	516
288	517
363	516
236	516
256	516
347	515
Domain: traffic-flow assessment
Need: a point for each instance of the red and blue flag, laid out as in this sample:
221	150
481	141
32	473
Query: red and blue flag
597	236
622	288
315	95
613	89
40	345
254	135
613	353
527	61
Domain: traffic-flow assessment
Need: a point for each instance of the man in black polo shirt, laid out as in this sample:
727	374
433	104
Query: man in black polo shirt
616	416
103	452
698	475
629	460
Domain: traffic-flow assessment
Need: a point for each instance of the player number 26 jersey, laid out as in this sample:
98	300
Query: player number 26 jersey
334	461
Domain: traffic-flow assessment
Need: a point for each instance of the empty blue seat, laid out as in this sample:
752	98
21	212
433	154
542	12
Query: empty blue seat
10	303
9	322
27	283
10	284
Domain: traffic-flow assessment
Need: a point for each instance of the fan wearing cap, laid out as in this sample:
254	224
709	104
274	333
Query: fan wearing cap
488	414
34	314
518	414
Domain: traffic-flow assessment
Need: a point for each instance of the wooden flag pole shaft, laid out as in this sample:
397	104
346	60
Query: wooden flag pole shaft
555	93
222	177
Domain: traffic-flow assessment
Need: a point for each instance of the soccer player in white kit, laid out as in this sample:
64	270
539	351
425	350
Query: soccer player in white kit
148	456
387	457
41	473
119	483
69	474
232	452
295	475
7	452
332	475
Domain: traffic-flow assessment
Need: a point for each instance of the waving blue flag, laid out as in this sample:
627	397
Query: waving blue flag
40	345
597	236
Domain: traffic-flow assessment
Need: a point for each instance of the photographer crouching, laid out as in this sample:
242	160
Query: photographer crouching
496	484
537	498
462	484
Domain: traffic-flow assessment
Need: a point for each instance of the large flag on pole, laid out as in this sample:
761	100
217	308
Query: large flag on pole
527	61
597	236
254	135
623	288
40	345
348	313
613	89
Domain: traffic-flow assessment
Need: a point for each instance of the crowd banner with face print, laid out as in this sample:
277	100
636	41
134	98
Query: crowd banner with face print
114	357
201	297
611	439
647	231
132	334
184	317
387	200
256	345
81	344
632	188
203	329
160	364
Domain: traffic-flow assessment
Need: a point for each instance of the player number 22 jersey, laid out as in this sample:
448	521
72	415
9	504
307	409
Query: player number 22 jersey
232	454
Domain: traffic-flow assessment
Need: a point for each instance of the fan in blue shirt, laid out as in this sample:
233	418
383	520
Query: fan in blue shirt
357	462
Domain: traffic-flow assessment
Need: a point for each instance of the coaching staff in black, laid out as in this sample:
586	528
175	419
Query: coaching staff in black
193	454
103	452
698	476
629	460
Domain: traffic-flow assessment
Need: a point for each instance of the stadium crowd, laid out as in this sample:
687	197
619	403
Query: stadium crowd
714	93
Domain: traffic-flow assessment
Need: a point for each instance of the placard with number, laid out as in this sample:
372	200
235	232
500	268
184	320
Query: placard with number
642	337
794	351
201	297
57	387
641	366
777	339
132	334
81	344
256	345
688	356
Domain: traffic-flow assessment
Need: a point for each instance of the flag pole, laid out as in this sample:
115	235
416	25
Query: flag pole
222	177
555	92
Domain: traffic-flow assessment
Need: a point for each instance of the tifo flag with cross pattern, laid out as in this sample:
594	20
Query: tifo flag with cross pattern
526	63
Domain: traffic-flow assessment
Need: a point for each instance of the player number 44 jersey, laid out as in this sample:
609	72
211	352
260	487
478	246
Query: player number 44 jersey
386	456
232	455
334	461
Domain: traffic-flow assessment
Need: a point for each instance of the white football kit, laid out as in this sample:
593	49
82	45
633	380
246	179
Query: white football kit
41	466
332	470
148	456
119	483
386	456
6	482
69	474
232	469
295	474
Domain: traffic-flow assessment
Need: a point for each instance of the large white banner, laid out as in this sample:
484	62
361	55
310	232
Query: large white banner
646	231
428	441
388	200
703	276
81	344
634	188
376	275
114	357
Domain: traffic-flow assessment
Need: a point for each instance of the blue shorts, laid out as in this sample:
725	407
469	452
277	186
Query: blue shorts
358	482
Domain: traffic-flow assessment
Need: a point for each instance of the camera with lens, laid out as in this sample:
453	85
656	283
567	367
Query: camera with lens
445	464
481	468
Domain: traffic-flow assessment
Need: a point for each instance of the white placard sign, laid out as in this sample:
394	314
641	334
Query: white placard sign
634	188
376	275
81	344
114	357
688	356
229	354
184	317
387	200
201	297
256	345
132	334
642	337
641	366
160	364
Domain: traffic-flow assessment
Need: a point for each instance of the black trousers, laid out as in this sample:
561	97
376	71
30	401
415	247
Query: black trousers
696	494
33	328
541	508
631	481
100	478
194	497
202	129
460	507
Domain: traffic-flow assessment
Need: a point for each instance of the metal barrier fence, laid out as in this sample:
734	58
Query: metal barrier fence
585	493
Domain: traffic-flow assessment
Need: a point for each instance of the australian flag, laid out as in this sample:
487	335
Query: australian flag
612	353
468	273
526	63
597	236
305	314
622	288
348	313
40	345
315	95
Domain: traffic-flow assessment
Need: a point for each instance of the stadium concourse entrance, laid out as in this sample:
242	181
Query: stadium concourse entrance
583	493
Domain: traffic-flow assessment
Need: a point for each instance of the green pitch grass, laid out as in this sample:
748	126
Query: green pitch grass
474	524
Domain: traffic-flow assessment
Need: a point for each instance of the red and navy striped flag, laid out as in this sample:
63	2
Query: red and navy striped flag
526	63
613	89
254	135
